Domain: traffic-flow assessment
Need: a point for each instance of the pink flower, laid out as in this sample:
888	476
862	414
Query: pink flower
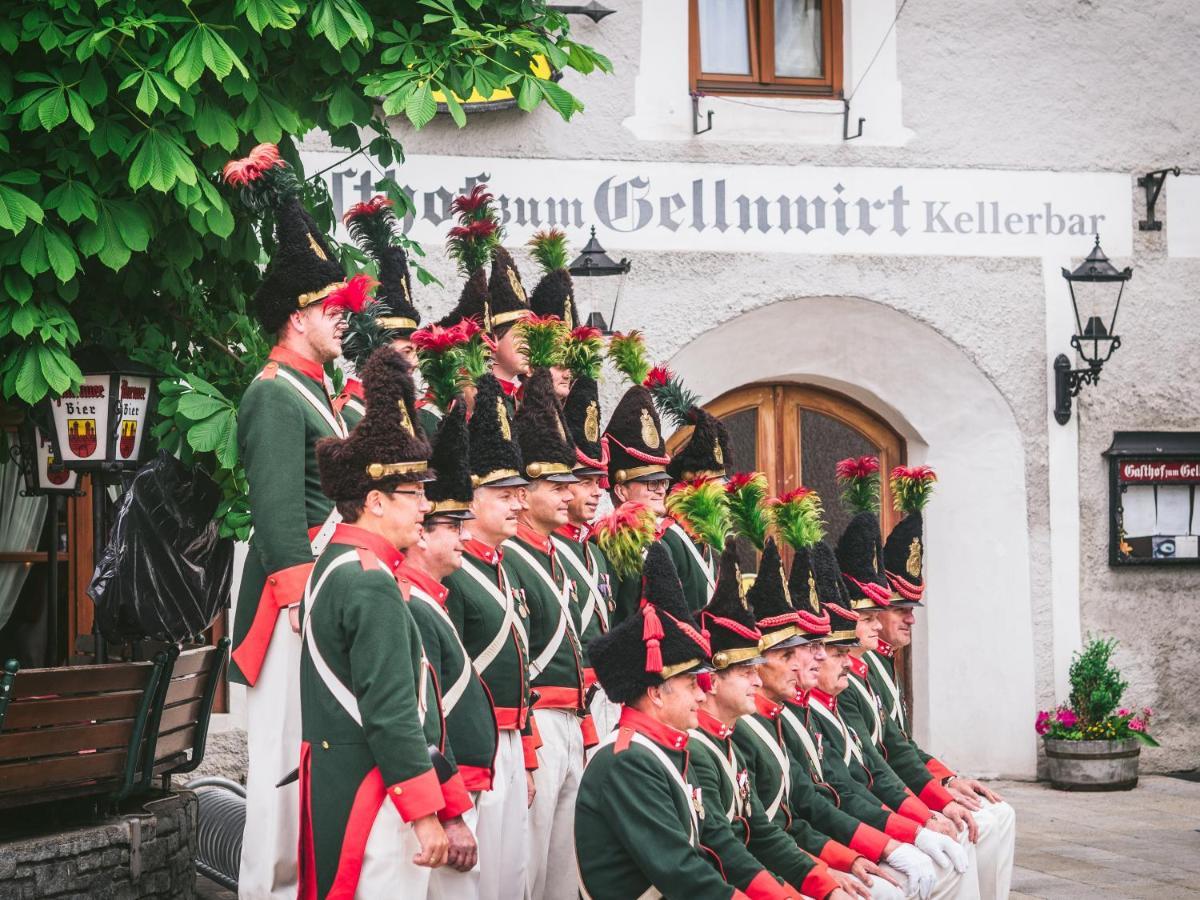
1124	712
1067	718
1136	724
1147	712
1042	725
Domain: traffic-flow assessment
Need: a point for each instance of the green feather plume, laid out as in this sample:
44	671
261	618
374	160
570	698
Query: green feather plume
859	480
549	248
364	335
583	353
702	508
797	516
441	373
475	360
911	487
541	339
372	229
623	536
747	492
673	399
628	353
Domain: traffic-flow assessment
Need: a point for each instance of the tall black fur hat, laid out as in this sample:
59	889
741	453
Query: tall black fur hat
508	300
371	225
554	296
843	620
658	642
451	492
815	573
387	447
495	454
860	552
732	629
581	410
546	448
637	451
903	560
706	453
304	269
473	303
772	604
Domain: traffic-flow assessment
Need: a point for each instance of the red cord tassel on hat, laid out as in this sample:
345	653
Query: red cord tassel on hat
652	634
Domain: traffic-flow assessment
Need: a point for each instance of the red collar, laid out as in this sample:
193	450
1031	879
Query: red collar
576	533
885	649
535	539
858	666
661	734
426	582
510	388
354	388
714	726
484	552
664	525
827	700
767	707
368	540
307	367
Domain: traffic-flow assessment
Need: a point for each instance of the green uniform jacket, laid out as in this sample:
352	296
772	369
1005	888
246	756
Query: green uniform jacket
429	417
860	708
813	799
588	570
492	623
362	699
634	823
797	805
283	414
737	831
352	402
470	721
882	678
555	659
838	758
693	562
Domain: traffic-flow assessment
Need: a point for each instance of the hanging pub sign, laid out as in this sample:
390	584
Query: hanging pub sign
1154	498
42	471
102	423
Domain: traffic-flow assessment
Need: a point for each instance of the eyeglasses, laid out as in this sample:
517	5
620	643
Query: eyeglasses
454	525
419	493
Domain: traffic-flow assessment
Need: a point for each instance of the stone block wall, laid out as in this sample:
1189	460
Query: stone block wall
148	853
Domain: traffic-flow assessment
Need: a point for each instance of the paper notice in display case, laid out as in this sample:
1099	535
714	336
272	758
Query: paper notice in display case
1174	502
1138	516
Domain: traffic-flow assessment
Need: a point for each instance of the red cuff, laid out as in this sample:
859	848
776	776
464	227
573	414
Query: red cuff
477	778
588	727
530	748
839	856
870	842
939	770
454	793
901	828
765	887
935	796
417	797
914	809
818	883
589	678
282	588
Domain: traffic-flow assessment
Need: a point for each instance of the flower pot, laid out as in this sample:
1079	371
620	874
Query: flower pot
1093	765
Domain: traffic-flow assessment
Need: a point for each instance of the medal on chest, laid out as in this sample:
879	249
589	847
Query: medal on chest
522	603
698	803
820	745
605	586
743	789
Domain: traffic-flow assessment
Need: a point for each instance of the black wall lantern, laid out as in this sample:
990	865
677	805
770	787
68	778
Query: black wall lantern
1093	285
594	262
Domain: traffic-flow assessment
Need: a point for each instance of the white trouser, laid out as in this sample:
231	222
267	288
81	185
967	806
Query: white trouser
502	826
552	867
997	842
605	715
446	883
270	843
950	885
388	869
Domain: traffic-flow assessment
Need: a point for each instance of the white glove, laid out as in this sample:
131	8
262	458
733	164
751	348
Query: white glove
942	850
915	866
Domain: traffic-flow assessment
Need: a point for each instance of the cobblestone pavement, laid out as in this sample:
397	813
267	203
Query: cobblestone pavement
1143	843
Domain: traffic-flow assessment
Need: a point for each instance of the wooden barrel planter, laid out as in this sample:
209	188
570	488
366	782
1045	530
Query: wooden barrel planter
1093	765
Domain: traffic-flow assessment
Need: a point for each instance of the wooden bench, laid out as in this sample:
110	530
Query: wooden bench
104	731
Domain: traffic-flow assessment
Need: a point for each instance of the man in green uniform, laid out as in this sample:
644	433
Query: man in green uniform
470	722
392	318
492	624
748	845
638	819
556	665
582	559
301	306
369	782
903	561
